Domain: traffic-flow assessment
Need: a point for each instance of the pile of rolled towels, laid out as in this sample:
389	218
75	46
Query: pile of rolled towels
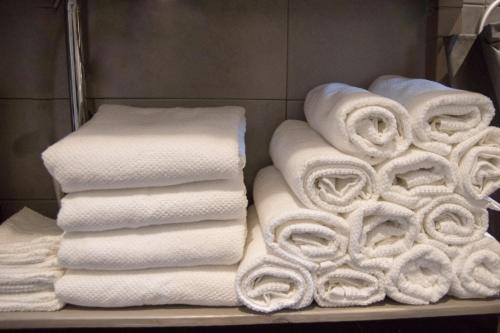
382	192
155	206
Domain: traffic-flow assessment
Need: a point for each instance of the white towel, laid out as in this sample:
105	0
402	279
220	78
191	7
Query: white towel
175	245
452	251
419	276
133	208
478	163
441	117
127	147
452	220
267	283
358	122
348	285
320	176
203	285
477	270
292	231
29	302
413	178
380	231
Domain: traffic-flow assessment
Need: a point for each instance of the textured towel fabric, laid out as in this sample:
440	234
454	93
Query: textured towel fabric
419	276
133	208
478	163
267	283
320	176
29	302
441	117
414	177
452	251
348	285
477	270
203	285
452	220
380	231
292	231
175	245
127	147
358	122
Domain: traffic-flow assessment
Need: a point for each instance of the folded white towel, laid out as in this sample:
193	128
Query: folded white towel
319	175
359	122
380	231
452	251
293	231
202	285
348	285
440	116
267	283
452	220
477	270
175	245
414	177
419	276
478	163
133	208
28	302
127	147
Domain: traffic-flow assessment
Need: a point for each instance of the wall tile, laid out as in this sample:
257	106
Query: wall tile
471	15
27	127
45	207
187	49
295	110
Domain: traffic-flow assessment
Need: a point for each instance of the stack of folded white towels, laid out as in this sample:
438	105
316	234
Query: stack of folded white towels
155	206
380	193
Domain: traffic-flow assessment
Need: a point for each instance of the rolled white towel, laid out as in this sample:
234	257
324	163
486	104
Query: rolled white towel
358	122
478	163
174	245
441	116
452	220
128	147
380	231
477	270
292	231
419	276
413	178
133	208
452	251
267	283
31	301
320	176
202	285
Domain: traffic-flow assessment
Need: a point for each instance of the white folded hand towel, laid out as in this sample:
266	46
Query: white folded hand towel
202	285
413	178
320	176
267	283
419	276
175	245
29	302
478	163
133	208
477	270
380	231
453	220
293	231
358	122
128	147
441	116
452	251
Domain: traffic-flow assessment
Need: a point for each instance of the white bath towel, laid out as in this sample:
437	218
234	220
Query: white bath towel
203	285
419	276
380	231
478	163
452	220
127	147
348	285
29	302
320	176
441	116
359	122
291	230
267	283
175	245
477	270
133	208
413	178
452	251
